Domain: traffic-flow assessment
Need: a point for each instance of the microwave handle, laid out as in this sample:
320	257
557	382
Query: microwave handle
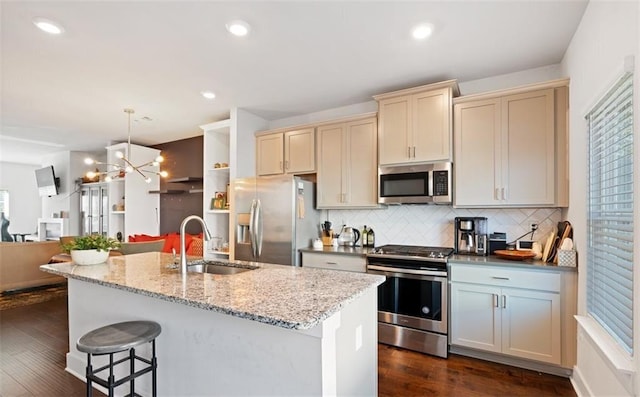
430	189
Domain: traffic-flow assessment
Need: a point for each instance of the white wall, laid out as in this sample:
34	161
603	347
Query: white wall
24	201
69	167
607	34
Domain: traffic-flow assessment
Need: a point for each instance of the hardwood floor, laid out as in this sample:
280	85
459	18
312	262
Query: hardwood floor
34	341
33	344
406	373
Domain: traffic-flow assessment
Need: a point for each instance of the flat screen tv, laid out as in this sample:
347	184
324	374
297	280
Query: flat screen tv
47	182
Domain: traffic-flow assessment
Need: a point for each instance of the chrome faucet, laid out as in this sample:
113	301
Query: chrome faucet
183	248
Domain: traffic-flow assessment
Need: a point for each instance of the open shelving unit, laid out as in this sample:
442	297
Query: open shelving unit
216	179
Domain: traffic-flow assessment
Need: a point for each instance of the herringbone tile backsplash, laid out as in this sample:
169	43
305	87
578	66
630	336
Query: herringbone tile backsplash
433	225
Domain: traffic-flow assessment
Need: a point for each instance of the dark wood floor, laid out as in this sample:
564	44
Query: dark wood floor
34	341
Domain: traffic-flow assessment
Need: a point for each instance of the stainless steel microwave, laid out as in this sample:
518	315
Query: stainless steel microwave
415	184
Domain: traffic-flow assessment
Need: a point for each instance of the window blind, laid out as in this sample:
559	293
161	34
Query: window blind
610	213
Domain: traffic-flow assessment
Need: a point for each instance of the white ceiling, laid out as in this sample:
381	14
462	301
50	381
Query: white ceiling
69	91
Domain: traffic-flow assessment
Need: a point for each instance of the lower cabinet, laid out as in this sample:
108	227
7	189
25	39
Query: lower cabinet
511	311
351	263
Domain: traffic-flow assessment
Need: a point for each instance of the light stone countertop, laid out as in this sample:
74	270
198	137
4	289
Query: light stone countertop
284	296
493	260
339	250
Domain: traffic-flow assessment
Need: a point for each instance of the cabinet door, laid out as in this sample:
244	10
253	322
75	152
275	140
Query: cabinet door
331	146
528	156
431	118
394	127
531	324
299	151
477	159
475	317
270	154
361	162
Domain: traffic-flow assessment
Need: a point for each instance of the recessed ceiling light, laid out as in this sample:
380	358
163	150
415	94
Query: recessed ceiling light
208	94
48	26
422	31
238	28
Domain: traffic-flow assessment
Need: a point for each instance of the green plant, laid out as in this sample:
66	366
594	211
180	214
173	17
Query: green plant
91	242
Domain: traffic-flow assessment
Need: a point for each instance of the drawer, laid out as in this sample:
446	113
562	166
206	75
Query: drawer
544	280
352	263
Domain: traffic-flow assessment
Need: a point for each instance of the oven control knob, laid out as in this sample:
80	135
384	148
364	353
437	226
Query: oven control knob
432	254
425	310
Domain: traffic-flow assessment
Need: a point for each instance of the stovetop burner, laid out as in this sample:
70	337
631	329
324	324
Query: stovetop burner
413	250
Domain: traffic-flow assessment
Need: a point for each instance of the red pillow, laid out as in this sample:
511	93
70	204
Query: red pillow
145	237
172	240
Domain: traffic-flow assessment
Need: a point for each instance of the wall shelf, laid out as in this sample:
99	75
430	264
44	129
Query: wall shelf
219	169
167	191
219	252
217	211
185	179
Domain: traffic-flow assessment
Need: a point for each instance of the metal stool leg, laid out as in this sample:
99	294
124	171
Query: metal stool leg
111	377
89	373
154	366
132	370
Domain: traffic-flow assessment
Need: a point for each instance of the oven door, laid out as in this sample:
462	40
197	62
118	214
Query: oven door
412	299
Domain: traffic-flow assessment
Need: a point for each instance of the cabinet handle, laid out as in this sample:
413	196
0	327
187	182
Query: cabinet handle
495	300
504	193
331	263
414	152
409	151
496	193
281	169
504	301
286	164
500	278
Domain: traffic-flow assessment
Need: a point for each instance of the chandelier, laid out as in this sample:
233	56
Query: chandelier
115	171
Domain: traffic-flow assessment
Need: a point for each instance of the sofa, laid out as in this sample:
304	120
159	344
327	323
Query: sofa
20	264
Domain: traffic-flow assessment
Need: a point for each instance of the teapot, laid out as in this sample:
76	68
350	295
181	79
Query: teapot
349	236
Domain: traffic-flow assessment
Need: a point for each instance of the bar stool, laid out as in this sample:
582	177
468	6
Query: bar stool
115	338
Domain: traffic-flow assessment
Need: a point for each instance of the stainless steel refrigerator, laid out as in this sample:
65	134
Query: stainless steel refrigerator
275	216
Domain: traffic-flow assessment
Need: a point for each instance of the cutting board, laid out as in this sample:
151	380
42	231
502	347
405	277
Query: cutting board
514	255
547	246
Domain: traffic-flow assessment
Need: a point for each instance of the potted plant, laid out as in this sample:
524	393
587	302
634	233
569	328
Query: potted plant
91	249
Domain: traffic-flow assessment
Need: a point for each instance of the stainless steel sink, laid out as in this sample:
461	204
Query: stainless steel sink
217	267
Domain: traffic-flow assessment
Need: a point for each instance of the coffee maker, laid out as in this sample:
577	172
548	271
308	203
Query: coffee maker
471	236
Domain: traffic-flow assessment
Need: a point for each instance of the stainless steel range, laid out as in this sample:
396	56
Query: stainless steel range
412	302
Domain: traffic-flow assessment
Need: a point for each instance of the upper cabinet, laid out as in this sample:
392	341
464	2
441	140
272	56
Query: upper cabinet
415	125
286	152
510	147
347	164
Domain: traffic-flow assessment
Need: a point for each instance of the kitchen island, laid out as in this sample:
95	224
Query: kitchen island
276	330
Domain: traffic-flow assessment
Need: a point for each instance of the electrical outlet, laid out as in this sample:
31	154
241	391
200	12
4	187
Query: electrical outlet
534	227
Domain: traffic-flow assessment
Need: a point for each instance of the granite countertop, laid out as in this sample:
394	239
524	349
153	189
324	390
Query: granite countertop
496	261
340	250
284	296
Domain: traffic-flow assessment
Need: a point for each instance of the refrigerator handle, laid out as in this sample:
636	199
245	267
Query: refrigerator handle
258	223
252	229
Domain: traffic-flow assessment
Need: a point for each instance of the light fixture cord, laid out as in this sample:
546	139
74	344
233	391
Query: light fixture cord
129	111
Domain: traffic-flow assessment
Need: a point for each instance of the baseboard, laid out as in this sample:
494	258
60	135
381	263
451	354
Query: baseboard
578	383
513	361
